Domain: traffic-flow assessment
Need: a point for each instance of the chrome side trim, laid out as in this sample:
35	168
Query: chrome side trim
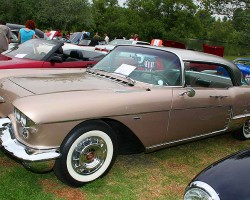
204	186
241	116
166	144
20	151
185	140
229	118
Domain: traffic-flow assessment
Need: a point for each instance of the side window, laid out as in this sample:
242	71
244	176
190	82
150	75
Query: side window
207	75
163	71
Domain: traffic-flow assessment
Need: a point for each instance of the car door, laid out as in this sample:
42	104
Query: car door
203	106
69	64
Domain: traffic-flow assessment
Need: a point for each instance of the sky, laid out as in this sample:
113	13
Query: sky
121	2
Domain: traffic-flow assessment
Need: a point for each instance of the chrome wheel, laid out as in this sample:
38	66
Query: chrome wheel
89	155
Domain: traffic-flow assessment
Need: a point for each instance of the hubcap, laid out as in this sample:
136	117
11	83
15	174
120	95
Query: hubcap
246	129
89	155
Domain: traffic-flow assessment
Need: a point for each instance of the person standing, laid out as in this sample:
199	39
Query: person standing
28	32
136	37
106	38
5	35
96	36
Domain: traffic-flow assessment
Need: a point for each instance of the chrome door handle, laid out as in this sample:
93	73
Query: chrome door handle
190	92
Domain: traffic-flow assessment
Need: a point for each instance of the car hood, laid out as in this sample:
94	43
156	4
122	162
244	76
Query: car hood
63	82
229	177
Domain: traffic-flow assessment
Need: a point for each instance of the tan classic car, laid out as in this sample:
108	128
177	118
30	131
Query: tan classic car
137	98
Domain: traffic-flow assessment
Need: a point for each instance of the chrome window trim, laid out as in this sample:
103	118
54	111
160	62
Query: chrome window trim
241	116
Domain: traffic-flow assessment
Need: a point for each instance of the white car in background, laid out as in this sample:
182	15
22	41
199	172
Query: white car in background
108	47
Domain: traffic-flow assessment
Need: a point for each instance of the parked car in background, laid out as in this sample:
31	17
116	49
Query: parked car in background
16	27
244	66
14	34
83	39
40	53
108	47
137	98
227	179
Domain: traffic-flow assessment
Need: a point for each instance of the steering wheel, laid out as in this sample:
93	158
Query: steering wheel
154	78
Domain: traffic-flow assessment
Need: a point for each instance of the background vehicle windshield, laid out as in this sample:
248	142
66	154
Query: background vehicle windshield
121	41
245	61
32	49
147	65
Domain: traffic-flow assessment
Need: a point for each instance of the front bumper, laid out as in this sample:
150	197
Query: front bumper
38	160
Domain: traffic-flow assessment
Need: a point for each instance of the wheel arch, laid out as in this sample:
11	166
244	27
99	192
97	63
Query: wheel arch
127	141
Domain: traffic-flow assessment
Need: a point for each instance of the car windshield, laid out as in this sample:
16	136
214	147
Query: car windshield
148	65
243	62
35	49
120	41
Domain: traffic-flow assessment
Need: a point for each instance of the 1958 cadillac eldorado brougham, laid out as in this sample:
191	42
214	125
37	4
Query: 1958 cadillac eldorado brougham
137	98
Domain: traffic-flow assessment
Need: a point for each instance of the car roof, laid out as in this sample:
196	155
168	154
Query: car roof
190	55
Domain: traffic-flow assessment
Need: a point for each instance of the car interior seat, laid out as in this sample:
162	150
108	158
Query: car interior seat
75	55
59	52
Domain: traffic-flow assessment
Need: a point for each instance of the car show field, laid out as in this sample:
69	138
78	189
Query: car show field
56	121
160	175
124	100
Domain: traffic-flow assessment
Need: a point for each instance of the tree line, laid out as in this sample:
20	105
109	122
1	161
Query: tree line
163	19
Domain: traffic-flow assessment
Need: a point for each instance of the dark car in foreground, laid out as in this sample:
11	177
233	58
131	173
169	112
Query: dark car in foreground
138	98
40	53
227	179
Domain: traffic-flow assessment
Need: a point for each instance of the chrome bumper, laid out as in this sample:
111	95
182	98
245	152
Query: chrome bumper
34	159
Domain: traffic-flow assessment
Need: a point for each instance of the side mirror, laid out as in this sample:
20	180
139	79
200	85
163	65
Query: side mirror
56	59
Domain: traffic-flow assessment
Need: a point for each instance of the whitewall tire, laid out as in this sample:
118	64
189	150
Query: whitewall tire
87	154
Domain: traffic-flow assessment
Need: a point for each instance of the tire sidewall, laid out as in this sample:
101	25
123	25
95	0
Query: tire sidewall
245	133
105	165
99	129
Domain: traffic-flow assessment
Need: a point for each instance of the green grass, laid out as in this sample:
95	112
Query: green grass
234	57
160	175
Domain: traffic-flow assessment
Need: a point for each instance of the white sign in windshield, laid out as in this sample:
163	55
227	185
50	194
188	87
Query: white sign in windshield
125	69
20	55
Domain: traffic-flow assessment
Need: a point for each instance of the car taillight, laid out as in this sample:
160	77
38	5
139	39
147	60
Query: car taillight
105	50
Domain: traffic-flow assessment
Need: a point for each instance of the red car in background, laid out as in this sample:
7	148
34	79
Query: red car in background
41	53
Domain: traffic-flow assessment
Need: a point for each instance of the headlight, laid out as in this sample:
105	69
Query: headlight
27	125
200	191
17	114
22	118
196	194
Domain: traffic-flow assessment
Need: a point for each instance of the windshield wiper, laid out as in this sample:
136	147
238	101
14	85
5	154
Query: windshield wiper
131	81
